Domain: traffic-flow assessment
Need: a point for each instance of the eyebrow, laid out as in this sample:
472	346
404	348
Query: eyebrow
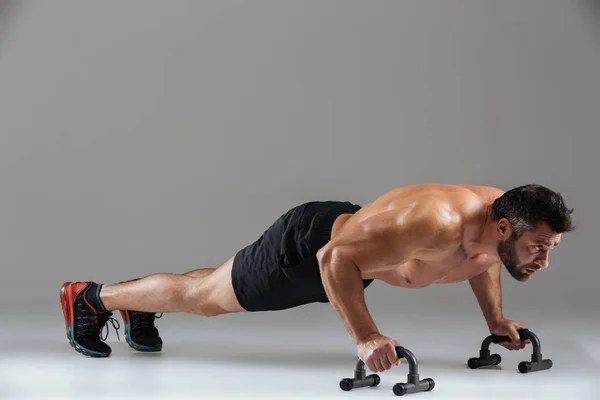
547	243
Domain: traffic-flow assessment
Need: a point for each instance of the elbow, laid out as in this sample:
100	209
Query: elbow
329	256
325	255
334	258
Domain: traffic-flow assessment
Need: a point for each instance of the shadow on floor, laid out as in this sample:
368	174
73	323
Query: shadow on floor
262	355
299	357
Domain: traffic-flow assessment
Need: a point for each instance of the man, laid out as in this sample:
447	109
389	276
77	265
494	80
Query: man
328	251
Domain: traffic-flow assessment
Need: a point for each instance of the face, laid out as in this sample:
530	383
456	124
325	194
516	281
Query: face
525	256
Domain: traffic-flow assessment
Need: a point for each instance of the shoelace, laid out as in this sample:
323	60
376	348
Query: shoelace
143	320
108	318
91	324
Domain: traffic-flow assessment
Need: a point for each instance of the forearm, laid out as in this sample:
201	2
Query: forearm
488	292
344	287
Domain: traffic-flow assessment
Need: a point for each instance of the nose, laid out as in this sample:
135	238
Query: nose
542	261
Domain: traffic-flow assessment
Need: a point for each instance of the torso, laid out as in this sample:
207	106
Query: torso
462	264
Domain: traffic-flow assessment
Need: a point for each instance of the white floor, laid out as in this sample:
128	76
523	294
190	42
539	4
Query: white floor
296	354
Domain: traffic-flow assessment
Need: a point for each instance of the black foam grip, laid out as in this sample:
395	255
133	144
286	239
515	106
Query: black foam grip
498	339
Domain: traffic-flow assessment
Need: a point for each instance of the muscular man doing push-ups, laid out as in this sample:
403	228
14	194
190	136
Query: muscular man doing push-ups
330	251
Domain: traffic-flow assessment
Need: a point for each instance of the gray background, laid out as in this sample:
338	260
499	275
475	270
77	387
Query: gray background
153	136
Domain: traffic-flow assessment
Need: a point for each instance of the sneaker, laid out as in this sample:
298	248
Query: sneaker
83	323
140	332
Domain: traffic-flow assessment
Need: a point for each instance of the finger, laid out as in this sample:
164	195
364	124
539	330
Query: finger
379	356
386	363
382	364
398	359
377	365
524	344
508	345
371	366
392	356
514	335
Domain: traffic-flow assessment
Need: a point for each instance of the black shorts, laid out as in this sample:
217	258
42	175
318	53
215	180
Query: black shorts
280	269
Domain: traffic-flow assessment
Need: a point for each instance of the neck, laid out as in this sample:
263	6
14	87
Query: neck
487	238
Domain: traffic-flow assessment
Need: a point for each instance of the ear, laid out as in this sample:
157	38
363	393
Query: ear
503	229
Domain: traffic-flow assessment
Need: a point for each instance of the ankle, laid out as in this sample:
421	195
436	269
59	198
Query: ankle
108	295
93	297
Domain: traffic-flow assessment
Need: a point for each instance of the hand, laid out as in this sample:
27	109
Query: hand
507	327
378	353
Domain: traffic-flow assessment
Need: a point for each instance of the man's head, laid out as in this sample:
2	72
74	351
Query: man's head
529	221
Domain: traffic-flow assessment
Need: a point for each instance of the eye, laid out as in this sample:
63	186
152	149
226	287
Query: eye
539	247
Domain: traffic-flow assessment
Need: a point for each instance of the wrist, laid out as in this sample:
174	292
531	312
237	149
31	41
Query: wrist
494	322
366	337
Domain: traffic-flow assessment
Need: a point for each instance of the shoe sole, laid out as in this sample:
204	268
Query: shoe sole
131	343
66	301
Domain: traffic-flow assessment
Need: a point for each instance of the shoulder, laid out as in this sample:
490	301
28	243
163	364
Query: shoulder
434	219
483	192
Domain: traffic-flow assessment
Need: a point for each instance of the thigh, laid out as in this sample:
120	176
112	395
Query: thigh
222	294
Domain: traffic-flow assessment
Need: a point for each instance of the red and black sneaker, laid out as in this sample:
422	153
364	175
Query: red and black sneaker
83	323
140	332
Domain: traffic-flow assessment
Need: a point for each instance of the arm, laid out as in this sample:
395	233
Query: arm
486	287
488	291
380	243
344	287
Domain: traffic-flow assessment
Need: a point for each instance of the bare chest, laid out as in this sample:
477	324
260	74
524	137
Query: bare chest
457	267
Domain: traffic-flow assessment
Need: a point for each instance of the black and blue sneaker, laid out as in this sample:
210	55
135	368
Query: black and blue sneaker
140	332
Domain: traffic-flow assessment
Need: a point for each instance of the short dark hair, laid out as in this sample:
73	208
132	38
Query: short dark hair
528	206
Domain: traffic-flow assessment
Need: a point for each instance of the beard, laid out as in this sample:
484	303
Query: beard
507	251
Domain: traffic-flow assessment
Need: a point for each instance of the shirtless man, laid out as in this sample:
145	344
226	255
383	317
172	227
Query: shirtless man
329	251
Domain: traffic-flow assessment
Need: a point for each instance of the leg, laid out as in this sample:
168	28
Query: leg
207	292
199	273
